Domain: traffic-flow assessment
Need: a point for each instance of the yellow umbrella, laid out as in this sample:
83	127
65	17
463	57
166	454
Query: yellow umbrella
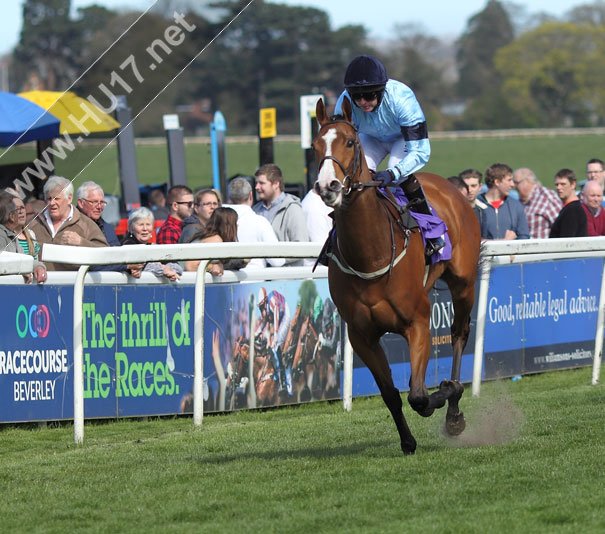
77	115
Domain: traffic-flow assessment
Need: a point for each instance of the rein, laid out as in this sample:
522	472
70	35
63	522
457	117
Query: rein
346	268
343	265
351	183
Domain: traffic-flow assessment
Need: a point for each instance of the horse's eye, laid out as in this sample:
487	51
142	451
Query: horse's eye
350	143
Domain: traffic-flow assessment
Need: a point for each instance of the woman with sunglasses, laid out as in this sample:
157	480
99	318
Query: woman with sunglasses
391	123
205	201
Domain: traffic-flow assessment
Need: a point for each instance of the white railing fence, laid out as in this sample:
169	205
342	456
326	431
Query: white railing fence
131	254
520	251
13	263
494	252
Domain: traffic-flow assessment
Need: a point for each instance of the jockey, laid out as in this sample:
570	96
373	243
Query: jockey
390	122
330	333
275	318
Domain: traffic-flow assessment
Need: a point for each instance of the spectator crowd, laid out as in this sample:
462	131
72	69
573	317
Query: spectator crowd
568	210
571	208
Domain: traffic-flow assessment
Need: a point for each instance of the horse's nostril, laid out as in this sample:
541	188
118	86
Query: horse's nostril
316	187
335	185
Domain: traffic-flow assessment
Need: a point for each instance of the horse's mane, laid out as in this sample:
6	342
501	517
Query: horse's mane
341	118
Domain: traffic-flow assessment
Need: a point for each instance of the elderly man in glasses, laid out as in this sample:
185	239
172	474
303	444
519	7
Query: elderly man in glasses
91	202
62	224
180	204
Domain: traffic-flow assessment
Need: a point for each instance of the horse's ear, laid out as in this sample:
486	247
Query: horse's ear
347	111
320	112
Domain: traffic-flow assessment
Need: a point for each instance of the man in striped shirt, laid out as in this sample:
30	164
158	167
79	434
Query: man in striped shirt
541	205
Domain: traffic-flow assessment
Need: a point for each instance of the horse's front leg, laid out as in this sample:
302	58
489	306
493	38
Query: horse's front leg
371	353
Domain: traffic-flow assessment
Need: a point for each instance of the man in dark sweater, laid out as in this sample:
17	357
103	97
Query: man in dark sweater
571	221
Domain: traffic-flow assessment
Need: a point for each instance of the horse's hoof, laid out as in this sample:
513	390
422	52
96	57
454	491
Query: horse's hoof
305	394
455	424
452	388
408	447
421	405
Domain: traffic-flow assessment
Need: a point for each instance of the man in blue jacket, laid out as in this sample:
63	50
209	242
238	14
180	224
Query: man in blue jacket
504	217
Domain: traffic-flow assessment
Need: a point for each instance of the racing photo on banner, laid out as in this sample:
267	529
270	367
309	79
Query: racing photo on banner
280	342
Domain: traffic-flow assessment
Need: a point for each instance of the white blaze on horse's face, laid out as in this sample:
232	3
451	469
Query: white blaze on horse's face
327	174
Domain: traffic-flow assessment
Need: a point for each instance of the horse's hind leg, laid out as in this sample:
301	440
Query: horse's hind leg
463	298
419	338
419	341
373	356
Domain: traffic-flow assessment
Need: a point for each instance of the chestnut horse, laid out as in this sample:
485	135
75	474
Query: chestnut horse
264	375
382	284
304	374
237	375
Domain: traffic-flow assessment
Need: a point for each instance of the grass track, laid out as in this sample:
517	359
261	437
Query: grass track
531	460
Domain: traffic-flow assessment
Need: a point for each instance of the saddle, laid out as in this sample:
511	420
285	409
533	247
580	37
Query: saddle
395	197
399	207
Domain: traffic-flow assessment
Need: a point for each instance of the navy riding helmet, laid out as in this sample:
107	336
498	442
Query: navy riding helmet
365	75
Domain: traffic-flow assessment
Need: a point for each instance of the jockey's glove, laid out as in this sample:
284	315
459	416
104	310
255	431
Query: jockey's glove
385	177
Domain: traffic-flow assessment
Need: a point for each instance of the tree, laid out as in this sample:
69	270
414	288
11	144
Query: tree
479	83
271	55
421	61
132	56
554	75
588	14
235	60
47	56
487	31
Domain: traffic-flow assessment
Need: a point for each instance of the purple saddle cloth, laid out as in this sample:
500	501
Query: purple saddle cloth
431	226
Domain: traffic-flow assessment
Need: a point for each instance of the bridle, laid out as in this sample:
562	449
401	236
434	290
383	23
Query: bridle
351	183
351	174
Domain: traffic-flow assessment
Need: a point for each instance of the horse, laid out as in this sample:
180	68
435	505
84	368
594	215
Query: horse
327	353
381	282
237	375
299	349
267	393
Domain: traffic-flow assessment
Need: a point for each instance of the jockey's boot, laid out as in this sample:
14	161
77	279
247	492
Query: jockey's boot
323	258
324	255
288	381
418	203
278	372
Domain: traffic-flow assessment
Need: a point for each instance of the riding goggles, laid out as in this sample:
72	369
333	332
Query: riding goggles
368	96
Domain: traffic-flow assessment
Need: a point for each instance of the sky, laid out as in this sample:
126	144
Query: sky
440	18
